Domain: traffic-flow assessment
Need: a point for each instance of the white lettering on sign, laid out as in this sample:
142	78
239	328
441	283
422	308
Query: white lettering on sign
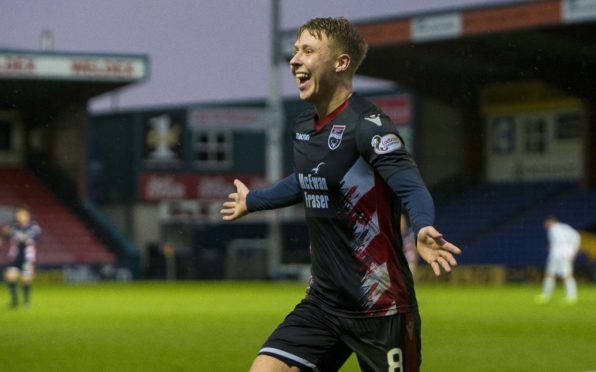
214	188
165	188
55	65
578	10
229	118
434	27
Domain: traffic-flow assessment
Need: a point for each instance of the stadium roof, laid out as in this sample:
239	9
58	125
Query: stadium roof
451	55
51	79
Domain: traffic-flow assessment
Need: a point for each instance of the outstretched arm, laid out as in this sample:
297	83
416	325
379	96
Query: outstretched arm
383	148
430	244
435	250
5	232
284	193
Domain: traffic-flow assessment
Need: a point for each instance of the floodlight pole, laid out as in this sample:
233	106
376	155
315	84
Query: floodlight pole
274	169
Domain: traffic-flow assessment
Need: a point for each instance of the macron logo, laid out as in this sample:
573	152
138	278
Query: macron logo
302	137
375	119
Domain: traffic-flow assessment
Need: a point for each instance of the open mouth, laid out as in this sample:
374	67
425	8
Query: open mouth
302	78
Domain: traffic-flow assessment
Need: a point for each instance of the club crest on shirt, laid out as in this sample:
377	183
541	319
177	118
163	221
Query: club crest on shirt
385	144
334	140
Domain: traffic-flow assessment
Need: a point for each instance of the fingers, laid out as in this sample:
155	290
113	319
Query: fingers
228	218
229	207
442	260
441	242
435	266
229	214
227	211
229	204
234	208
444	264
444	244
450	247
437	251
448	257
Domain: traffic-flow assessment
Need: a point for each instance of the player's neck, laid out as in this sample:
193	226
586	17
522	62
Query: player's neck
339	96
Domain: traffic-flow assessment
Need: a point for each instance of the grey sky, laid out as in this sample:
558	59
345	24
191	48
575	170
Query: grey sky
199	50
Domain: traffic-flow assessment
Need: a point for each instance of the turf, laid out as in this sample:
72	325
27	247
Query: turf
219	326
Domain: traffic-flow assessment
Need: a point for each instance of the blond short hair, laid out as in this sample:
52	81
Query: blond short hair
343	33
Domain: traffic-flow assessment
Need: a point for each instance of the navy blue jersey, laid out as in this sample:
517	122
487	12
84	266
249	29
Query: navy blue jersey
353	173
23	239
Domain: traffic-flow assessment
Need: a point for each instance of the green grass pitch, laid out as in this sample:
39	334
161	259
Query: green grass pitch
218	326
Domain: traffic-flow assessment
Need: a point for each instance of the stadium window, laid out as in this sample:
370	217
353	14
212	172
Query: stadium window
535	138
212	148
568	126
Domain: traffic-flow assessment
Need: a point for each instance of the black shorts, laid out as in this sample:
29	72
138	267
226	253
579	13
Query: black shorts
23	265
314	340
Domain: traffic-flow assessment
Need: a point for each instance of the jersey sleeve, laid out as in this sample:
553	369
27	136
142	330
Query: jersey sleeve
284	193
35	232
380	144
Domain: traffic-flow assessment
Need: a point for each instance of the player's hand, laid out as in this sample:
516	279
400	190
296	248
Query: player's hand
236	207
435	250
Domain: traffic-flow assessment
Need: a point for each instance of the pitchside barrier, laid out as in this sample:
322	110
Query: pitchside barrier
248	258
496	274
473	274
82	274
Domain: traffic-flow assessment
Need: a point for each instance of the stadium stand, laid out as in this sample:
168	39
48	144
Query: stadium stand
503	223
65	239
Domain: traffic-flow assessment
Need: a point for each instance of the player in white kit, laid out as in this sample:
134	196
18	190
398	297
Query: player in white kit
563	241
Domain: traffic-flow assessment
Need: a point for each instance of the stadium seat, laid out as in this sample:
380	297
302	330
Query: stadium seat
65	239
503	223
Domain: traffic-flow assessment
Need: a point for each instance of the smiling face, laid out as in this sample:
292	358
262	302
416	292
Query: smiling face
314	66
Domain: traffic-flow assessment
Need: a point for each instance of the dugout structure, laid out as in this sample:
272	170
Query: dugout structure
43	118
43	105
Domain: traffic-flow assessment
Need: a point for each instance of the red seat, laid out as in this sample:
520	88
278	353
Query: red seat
65	239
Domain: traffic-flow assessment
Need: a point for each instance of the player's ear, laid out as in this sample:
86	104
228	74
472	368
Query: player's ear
342	63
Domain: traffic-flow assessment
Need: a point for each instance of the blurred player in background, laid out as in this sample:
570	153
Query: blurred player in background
351	172
22	234
409	242
563	245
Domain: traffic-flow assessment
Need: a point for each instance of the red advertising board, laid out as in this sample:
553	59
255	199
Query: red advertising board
398	108
155	187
